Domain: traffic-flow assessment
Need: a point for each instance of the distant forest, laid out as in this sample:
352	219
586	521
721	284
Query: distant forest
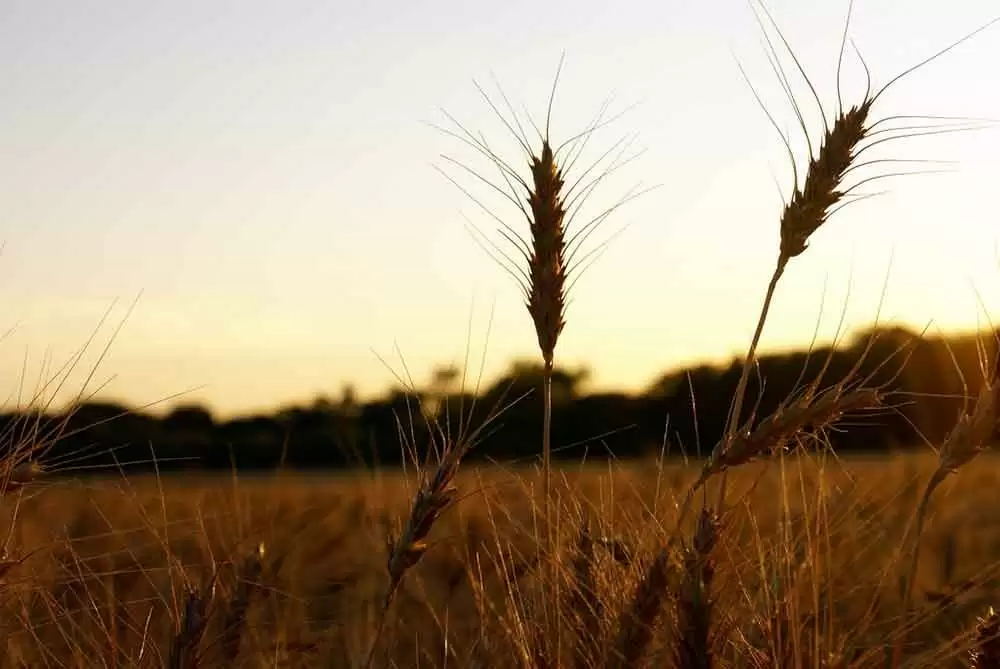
926	378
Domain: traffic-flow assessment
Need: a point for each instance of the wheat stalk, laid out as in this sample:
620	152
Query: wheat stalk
823	191
435	494
547	261
547	292
970	437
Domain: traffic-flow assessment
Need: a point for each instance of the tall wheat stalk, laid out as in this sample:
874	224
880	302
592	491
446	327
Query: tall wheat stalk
546	262
547	289
436	493
823	191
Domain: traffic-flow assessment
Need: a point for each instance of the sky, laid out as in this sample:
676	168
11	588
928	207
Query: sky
253	190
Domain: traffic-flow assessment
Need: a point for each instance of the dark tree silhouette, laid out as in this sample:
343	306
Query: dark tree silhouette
928	380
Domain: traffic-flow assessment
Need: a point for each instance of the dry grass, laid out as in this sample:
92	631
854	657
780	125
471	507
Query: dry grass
107	562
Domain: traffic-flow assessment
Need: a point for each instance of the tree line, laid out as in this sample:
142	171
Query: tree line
927	380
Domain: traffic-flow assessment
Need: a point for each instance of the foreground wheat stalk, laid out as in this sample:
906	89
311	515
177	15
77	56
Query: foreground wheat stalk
436	493
823	192
969	438
434	496
547	261
547	290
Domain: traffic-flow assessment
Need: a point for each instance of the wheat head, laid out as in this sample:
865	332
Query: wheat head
238	606
547	261
635	627
692	649
986	653
185	645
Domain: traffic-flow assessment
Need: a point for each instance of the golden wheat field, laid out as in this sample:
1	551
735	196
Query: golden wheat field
292	570
772	552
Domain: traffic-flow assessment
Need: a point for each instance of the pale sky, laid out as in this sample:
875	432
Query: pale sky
263	173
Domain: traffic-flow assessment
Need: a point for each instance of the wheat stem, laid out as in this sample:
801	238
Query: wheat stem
547	475
741	388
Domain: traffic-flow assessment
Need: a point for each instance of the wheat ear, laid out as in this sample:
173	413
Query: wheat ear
184	647
692	648
21	475
434	496
811	410
635	627
234	620
547	290
986	652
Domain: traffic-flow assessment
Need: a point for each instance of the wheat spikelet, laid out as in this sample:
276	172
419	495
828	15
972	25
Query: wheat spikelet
973	432
434	496
184	647
692	648
547	261
852	132
22	474
635	627
986	653
810	207
772	433
970	437
234	621
810	410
